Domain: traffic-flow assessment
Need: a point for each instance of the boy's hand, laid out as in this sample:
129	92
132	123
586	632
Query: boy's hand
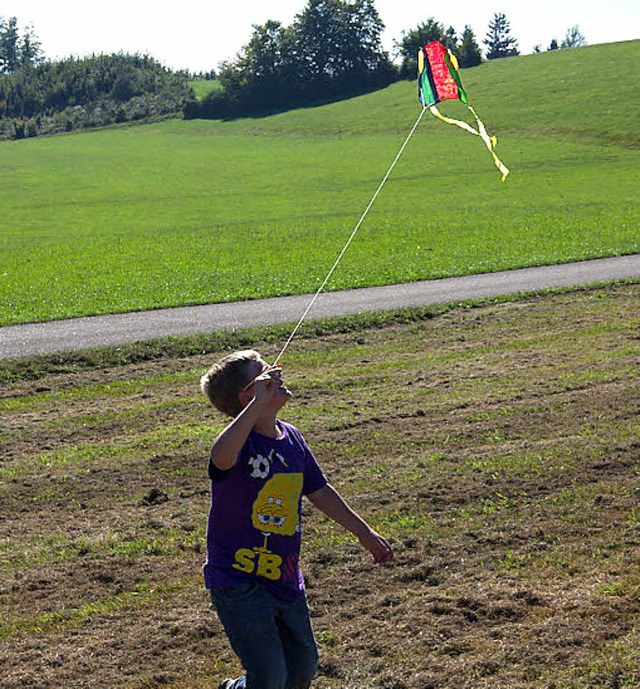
328	500
378	546
264	387
268	385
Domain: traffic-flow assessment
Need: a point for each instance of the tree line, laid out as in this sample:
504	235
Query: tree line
332	50
44	97
54	97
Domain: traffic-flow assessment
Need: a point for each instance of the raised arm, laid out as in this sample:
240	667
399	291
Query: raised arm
227	446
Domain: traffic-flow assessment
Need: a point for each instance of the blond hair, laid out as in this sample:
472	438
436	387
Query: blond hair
225	380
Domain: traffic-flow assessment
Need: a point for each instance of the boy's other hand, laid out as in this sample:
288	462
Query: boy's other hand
378	546
328	500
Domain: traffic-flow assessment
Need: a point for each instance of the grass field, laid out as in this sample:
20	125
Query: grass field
192	212
204	86
497	446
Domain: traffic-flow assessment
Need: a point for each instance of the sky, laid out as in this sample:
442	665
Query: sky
197	35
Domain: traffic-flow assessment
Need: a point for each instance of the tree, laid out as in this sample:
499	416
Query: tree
338	41
265	51
258	73
412	41
470	55
332	49
30	49
573	38
498	40
365	31
9	42
16	51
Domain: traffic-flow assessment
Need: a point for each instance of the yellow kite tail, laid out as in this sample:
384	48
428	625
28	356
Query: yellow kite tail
490	141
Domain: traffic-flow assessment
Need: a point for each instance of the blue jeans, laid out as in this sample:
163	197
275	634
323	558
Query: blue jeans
272	638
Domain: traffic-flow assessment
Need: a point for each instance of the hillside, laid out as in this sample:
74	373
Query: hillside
181	212
588	92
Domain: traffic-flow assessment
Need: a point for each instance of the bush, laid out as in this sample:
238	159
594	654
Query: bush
92	92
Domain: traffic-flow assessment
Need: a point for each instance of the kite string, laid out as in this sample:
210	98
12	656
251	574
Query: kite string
353	234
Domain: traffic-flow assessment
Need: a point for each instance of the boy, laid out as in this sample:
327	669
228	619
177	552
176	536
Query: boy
260	467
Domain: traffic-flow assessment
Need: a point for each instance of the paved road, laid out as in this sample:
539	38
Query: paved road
98	331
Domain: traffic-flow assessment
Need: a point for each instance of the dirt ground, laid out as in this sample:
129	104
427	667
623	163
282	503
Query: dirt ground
498	447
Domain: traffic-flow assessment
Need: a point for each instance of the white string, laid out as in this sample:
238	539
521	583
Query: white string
353	234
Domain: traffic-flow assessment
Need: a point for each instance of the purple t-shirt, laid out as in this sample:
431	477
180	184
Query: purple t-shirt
256	510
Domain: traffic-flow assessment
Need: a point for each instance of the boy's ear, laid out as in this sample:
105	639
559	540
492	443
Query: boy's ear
244	397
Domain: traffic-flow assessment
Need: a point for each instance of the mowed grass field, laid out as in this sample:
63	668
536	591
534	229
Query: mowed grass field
496	446
186	212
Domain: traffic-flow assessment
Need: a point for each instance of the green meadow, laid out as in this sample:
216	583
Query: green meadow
202	87
188	212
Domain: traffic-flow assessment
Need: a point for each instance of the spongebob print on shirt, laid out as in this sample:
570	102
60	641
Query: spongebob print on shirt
274	512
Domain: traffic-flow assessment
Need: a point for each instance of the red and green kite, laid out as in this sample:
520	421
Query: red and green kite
438	80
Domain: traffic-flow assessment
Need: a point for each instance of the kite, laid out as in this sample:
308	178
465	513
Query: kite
438	80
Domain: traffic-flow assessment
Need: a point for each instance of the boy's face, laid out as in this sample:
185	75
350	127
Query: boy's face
260	368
